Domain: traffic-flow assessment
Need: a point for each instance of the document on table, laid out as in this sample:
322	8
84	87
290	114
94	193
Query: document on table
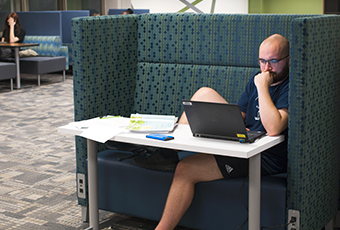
101	129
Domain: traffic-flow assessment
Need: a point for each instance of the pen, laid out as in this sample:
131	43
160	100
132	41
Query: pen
108	117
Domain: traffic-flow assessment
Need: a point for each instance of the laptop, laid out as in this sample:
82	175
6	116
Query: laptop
218	120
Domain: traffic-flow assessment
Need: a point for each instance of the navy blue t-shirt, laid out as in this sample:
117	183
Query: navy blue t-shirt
274	160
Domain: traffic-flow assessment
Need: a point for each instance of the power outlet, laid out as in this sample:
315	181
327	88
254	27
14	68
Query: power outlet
294	217
81	185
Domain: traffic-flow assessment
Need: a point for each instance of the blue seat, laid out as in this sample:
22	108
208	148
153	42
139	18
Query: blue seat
8	71
123	188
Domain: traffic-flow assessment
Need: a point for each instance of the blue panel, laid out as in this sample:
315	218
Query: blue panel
135	11
3	15
66	17
46	23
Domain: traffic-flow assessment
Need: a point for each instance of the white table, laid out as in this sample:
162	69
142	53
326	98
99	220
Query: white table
185	141
16	47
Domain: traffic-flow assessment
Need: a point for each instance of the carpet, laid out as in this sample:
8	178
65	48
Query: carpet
38	164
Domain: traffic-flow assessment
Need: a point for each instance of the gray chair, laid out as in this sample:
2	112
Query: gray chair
8	71
42	65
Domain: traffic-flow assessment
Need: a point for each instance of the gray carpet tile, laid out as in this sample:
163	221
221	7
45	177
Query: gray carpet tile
38	164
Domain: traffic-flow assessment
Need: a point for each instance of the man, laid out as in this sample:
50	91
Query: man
264	106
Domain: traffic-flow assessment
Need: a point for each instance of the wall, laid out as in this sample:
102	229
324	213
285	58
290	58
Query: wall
286	6
168	6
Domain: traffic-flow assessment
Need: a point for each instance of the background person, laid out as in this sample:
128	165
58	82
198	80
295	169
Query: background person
13	32
128	11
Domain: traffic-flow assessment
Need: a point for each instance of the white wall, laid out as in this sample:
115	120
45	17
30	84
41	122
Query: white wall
170	6
115	4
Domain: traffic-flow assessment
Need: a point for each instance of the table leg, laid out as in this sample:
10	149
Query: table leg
17	63
254	192
93	183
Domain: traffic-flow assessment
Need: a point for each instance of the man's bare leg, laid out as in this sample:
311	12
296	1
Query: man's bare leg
191	170
203	94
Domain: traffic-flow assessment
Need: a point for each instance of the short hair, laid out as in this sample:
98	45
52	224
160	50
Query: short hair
128	11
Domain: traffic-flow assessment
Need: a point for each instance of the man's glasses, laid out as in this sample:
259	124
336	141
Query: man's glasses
271	62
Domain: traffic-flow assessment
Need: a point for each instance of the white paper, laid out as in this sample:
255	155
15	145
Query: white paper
101	130
114	121
101	133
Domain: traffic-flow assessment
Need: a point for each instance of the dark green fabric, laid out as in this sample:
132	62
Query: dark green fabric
105	58
207	39
160	88
314	124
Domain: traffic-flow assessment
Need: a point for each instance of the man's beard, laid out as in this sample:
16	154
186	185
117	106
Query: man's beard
282	75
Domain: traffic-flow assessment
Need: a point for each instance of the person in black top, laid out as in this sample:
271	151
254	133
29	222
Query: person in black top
13	32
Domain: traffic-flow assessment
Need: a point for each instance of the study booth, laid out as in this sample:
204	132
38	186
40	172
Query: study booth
156	60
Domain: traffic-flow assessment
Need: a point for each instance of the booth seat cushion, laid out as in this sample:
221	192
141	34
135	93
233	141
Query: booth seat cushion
41	65
49	45
8	70
126	188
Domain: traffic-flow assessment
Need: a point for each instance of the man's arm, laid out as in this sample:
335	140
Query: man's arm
274	120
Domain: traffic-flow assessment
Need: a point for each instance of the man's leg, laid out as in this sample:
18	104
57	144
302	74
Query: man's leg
191	170
203	94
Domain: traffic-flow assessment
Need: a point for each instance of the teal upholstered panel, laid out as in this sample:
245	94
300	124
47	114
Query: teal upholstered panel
314	124
105	58
160	88
49	46
207	39
70	52
63	51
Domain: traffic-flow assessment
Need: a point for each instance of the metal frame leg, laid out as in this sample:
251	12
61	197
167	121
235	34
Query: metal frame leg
64	77
85	213
93	183
11	84
254	192
38	79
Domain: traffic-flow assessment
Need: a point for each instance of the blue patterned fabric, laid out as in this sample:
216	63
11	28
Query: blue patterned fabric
104	71
160	88
70	51
50	46
314	122
149	63
207	39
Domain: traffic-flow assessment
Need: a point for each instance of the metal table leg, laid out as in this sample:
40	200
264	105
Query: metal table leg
17	63
254	192
93	183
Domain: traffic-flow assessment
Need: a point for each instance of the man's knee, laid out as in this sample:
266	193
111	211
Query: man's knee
209	95
185	172
182	169
205	91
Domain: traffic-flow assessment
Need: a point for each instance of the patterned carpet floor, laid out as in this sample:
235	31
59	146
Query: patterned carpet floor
38	164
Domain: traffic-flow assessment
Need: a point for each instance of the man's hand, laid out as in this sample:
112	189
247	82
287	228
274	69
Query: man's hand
273	120
264	79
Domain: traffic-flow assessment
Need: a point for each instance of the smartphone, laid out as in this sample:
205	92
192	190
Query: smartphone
161	137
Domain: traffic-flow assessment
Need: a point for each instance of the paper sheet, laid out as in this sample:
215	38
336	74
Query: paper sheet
101	130
100	133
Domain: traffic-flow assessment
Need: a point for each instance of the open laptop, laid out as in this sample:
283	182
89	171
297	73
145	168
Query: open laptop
218	120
